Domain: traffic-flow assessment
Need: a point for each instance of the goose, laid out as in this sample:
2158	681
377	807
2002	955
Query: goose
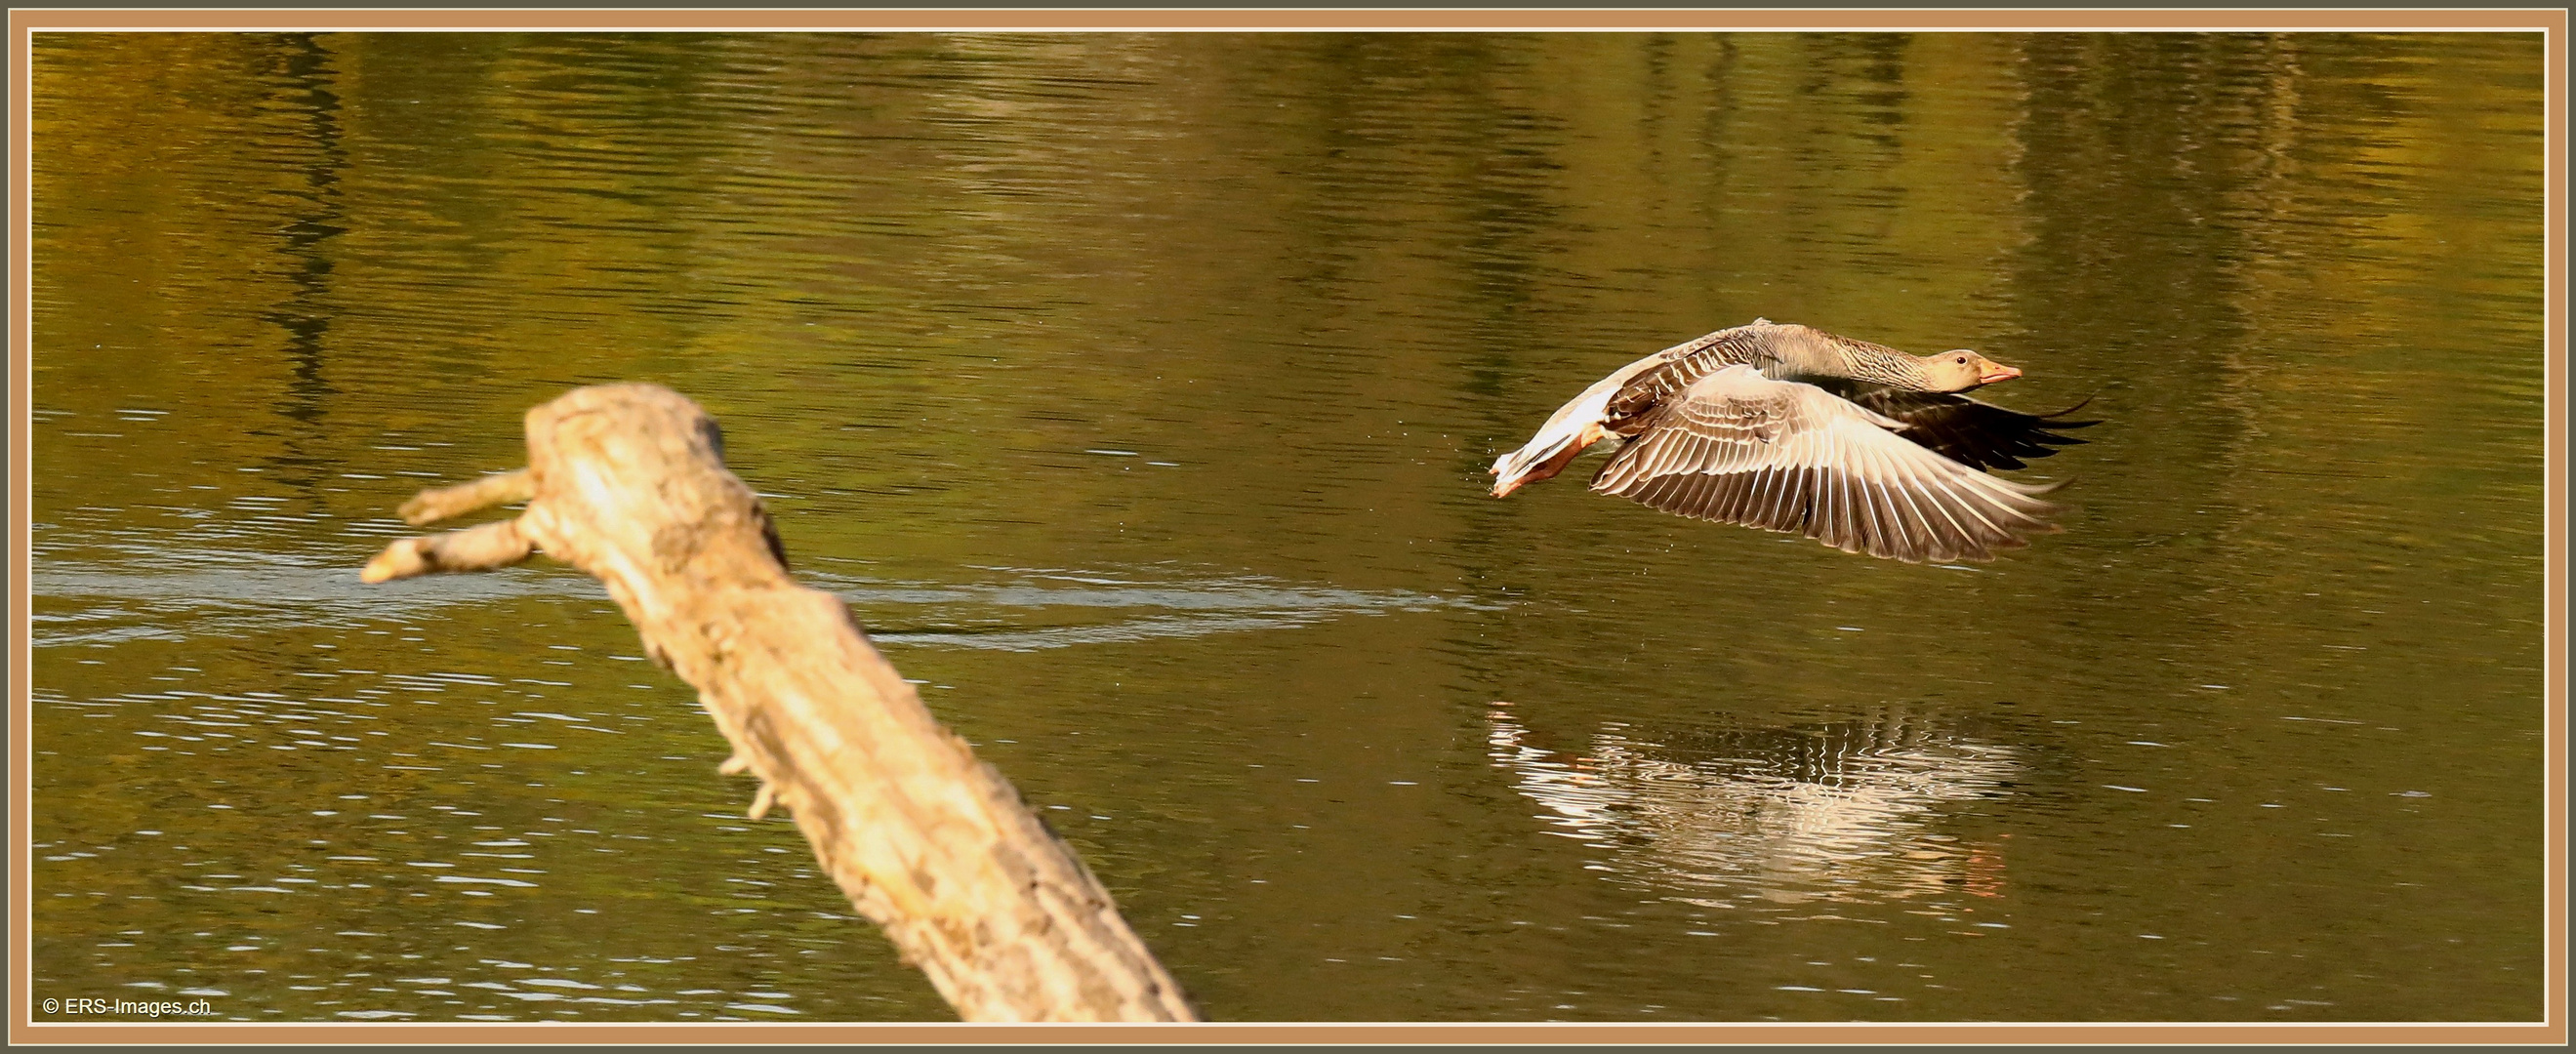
1789	428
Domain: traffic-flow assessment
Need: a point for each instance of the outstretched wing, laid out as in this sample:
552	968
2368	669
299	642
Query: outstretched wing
1973	433
1736	447
1662	375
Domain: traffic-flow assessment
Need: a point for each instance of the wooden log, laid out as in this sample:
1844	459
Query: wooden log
627	482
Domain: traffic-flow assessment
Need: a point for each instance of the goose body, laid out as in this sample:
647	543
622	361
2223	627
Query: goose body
1789	428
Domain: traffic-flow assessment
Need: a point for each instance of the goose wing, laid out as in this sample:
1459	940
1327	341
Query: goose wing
1660	376
1736	447
1618	403
1974	433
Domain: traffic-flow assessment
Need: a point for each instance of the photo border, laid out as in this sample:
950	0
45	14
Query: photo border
24	23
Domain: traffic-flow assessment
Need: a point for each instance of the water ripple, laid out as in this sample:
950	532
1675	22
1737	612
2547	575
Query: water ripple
179	596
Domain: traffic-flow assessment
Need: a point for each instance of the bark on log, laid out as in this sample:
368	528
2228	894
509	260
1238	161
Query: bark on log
627	482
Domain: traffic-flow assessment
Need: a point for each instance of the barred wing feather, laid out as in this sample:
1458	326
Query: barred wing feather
1785	456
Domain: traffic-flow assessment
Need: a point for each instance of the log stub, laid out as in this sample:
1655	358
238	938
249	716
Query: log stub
627	483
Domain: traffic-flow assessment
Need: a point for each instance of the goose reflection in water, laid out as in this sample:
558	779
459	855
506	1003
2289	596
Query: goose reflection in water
1837	812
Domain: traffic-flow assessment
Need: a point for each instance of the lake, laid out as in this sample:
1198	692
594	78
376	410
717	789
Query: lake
1137	390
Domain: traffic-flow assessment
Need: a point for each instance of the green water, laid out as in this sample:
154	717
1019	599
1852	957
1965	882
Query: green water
1136	390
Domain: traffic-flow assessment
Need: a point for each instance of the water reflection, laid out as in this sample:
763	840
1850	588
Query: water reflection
1838	811
397	845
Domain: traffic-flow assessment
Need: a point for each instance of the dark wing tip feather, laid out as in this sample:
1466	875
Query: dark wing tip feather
1974	433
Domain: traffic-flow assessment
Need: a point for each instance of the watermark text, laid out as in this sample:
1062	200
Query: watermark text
82	1006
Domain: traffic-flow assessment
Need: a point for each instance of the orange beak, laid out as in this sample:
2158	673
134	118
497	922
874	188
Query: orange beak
2000	372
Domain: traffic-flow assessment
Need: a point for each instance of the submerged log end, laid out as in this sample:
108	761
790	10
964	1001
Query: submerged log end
476	549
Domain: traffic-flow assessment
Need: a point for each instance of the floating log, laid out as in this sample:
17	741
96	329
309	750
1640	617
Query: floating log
627	482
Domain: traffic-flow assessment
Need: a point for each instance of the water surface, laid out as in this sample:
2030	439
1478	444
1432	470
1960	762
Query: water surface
1136	391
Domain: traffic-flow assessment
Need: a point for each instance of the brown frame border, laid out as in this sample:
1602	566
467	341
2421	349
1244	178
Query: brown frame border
2551	22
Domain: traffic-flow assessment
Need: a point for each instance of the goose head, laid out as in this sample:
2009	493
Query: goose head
1960	369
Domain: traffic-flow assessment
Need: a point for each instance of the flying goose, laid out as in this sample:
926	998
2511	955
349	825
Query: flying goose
1790	428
